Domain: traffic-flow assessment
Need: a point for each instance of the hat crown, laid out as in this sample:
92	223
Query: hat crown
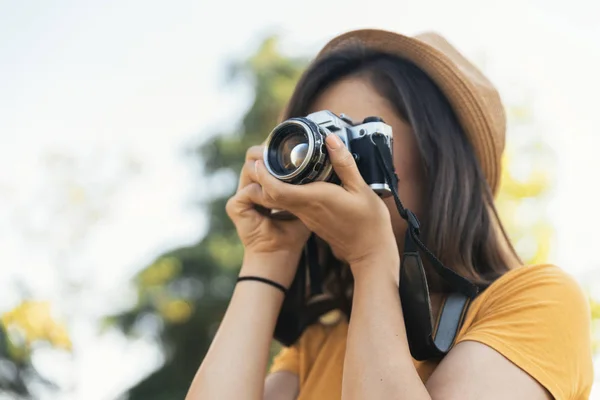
485	88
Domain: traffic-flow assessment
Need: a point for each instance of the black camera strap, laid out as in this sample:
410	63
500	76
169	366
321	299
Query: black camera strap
427	338
314	269
296	312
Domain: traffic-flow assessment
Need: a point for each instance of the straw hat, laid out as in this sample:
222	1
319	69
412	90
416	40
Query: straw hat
473	98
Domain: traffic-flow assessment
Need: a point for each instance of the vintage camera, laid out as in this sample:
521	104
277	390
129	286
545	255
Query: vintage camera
295	150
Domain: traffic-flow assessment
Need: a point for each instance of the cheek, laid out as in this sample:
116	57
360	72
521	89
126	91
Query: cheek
409	172
409	188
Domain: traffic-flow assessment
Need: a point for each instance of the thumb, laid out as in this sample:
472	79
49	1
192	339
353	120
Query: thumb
343	162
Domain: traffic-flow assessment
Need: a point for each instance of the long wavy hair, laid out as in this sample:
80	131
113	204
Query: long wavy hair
460	224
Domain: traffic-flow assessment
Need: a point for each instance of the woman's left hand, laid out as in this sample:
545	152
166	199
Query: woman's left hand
351	218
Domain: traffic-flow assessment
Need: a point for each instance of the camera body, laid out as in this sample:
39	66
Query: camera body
295	150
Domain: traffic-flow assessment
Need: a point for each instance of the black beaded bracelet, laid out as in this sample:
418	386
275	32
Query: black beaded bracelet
263	280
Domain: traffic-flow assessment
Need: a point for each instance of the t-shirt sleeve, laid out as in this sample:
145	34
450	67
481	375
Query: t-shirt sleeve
288	359
539	319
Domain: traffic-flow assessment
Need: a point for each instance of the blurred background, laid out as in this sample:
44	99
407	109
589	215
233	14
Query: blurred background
124	125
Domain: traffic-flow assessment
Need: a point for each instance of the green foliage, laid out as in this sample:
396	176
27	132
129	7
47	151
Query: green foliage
12	357
273	77
187	290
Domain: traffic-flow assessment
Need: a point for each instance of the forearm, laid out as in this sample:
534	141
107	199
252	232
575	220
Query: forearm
235	365
378	364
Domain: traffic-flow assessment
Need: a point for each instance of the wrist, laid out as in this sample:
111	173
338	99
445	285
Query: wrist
278	266
384	266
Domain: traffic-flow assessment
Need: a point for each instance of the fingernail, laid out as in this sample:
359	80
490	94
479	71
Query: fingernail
334	141
256	166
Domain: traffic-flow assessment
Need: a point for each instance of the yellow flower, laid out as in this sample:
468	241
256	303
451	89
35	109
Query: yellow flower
176	311
34	322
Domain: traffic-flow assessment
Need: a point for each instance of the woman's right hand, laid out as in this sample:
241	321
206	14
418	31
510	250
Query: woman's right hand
272	247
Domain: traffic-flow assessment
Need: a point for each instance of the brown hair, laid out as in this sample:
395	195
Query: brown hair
460	224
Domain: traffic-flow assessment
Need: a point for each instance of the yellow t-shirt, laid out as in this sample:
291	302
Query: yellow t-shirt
537	317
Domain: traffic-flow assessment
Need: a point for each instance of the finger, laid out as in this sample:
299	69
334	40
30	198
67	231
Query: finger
278	193
343	163
247	175
246	200
255	152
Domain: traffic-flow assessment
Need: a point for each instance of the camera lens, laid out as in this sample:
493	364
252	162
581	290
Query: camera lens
292	151
295	153
287	148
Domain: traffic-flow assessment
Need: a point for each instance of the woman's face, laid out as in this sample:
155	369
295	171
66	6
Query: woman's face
355	97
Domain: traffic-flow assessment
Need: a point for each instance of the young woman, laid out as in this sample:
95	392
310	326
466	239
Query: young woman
526	336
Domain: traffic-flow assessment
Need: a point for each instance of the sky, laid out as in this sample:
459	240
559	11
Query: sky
104	98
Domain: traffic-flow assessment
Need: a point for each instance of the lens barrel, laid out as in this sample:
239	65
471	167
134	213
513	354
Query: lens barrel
295	152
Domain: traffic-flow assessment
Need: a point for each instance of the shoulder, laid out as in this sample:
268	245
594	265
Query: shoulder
537	276
532	301
536	288
539	318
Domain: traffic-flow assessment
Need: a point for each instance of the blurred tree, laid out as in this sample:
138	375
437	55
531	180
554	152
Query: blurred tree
526	183
52	218
182	296
22	330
